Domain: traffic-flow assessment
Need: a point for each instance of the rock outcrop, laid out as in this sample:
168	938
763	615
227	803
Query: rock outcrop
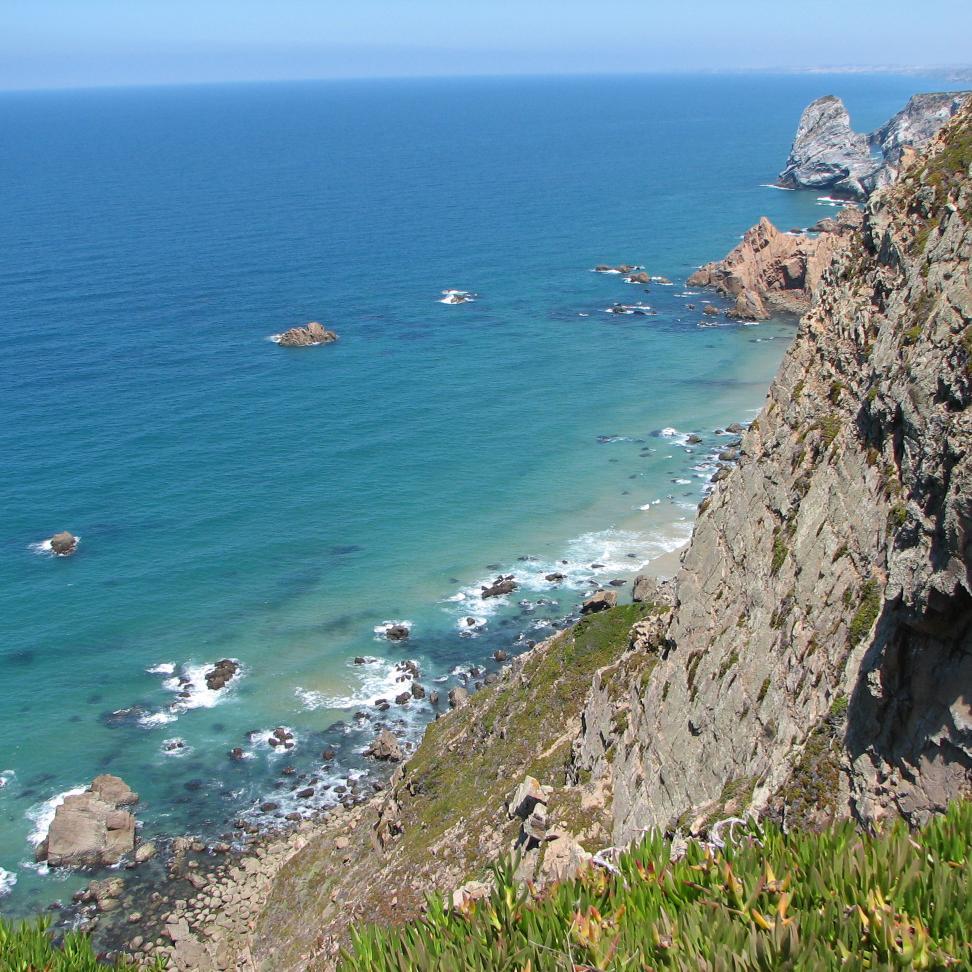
770	271
91	829
827	153
307	336
909	130
64	544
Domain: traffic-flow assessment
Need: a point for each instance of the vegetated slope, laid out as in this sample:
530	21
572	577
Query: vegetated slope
836	899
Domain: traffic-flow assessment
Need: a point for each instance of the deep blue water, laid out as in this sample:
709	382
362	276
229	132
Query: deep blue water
234	498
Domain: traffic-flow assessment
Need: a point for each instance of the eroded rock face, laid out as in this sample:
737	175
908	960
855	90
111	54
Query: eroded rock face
773	271
308	336
827	153
910	130
90	829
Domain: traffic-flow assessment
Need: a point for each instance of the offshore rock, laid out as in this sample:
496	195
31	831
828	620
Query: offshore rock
308	336
64	544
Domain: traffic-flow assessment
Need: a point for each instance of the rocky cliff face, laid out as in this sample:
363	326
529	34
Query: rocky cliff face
819	656
828	154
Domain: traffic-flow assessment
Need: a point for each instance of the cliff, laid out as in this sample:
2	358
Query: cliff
812	659
828	576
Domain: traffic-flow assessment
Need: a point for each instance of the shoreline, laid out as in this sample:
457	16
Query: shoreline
215	890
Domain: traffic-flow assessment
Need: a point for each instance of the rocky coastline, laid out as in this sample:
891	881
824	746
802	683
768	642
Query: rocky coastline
809	661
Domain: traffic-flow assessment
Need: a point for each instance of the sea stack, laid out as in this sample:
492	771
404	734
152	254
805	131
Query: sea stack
827	153
307	336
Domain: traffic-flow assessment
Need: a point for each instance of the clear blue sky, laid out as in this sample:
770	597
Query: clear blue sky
58	43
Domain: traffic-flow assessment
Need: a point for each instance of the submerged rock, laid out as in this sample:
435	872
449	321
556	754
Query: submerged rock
221	673
500	587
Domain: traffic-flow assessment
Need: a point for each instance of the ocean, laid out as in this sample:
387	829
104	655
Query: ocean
237	499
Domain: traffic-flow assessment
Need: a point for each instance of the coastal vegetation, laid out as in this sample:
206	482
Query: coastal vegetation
29	947
837	899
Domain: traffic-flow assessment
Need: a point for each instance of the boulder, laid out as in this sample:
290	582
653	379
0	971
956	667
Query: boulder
645	589
307	336
145	852
397	632
403	698
563	860
418	691
555	578
638	278
89	829
458	697
64	544
525	798
385	747
710	310
601	601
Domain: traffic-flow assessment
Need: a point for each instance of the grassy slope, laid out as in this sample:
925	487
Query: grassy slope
450	797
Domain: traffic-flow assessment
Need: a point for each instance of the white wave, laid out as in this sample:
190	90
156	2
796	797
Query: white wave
689	293
381	630
42	814
7	880
188	682
770	185
470	626
582	314
274	338
682	482
170	747
5	777
662	281
611	270
382	680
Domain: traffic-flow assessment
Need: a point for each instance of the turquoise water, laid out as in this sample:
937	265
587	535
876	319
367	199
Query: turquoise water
237	499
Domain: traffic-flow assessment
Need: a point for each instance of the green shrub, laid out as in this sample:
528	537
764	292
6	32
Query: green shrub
867	611
829	425
898	515
836	900
29	947
780	552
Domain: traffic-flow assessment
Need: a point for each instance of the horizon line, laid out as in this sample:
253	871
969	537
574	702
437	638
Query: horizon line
837	69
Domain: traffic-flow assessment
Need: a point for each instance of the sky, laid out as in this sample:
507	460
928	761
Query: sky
80	43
